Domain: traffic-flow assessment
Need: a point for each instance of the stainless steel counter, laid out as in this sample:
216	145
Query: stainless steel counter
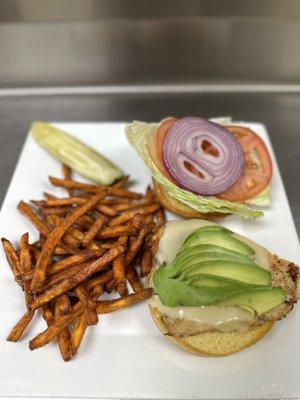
280	112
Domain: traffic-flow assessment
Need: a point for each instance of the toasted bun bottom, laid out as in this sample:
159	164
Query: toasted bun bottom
178	208
214	343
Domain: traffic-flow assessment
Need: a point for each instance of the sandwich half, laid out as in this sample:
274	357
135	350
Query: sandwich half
216	292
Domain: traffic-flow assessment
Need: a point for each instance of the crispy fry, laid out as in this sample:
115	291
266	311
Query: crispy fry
18	330
64	338
136	244
68	184
93	231
106	210
149	194
125	206
104	307
144	210
64	304
66	201
38	223
110	286
55	236
67	174
78	332
119	269
89	305
146	261
124	193
56	210
84	256
12	259
100	280
79	277
25	256
160	217
116	231
133	279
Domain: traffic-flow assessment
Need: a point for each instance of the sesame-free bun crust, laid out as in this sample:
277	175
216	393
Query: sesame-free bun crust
178	208
214	343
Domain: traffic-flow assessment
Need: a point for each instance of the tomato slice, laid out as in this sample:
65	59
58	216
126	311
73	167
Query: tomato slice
258	166
155	146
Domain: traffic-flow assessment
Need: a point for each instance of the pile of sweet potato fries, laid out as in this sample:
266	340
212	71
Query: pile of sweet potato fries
96	239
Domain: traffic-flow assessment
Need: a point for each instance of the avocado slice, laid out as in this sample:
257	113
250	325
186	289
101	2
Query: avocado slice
205	280
218	238
259	301
174	293
244	272
207	248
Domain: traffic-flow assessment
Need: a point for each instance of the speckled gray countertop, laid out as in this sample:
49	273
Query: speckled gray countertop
280	112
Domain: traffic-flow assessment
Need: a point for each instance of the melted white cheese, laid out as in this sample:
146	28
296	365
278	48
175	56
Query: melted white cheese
224	319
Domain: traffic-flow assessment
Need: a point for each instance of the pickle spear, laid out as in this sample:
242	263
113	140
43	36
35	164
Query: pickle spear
76	154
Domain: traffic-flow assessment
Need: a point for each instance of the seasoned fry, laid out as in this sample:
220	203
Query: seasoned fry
55	236
78	332
79	277
66	201
84	256
68	184
144	210
119	269
160	217
124	193
133	279
89	305
104	307
146	261
55	210
64	338
100	280
132	205
67	174
136	244
110	286
25	256
18	330
12	259
116	231
106	210
93	231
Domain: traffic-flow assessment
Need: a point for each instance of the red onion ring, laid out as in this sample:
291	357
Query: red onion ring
203	157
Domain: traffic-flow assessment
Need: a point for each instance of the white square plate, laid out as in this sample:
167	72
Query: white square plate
125	356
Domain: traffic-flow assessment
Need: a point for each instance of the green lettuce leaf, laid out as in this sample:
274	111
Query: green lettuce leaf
137	135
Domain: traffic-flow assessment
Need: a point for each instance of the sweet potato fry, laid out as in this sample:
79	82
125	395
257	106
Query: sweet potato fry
149	194
12	259
123	193
84	256
66	201
146	261
39	224
55	236
160	217
25	256
110	286
136	244
79	277
68	184
119	269
89	305
55	210
120	207
67	174
64	338
106	210
100	280
116	231
144	210
18	330
133	279
93	231
64	304
78	332
104	307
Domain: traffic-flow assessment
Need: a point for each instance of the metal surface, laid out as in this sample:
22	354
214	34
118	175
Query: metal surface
150	50
279	112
